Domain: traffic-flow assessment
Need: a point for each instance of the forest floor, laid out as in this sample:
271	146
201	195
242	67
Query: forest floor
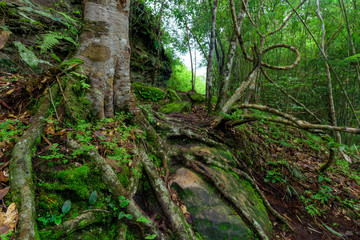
286	183
283	161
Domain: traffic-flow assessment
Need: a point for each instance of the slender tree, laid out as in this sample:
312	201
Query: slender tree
332	113
210	70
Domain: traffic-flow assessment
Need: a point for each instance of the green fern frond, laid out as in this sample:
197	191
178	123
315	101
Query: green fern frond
52	38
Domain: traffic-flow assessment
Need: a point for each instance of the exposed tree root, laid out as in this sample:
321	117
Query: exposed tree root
117	189
21	181
135	179
173	213
80	222
301	124
200	168
183	132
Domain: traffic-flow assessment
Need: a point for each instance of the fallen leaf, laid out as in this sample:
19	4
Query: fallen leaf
11	216
3	192
4	37
4	229
4	176
113	164
9	92
9	219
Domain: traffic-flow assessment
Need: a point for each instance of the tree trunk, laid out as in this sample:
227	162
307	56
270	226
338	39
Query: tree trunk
105	50
191	59
328	74
210	71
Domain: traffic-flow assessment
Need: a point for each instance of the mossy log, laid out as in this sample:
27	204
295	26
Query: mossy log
21	177
80	222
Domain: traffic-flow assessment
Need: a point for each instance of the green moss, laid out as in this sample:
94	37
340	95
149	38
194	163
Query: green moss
197	97
123	176
77	179
147	93
176	107
174	97
225	226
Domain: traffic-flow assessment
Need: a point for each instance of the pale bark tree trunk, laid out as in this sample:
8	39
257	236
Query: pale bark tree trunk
105	50
332	114
210	71
191	59
224	85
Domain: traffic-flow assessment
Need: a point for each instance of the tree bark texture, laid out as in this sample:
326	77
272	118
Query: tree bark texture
105	50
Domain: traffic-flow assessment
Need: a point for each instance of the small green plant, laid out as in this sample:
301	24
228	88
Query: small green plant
323	195
6	236
274	176
55	218
10	129
311	207
54	152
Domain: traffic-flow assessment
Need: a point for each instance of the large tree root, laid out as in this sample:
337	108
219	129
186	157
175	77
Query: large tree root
117	189
21	181
80	222
173	213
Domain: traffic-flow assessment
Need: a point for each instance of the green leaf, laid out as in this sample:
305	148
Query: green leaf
333	231
66	207
150	236
122	214
93	198
27	55
57	220
124	203
143	219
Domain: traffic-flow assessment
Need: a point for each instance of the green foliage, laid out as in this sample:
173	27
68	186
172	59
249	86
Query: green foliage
7	236
181	80
28	56
150	236
10	130
55	218
51	38
274	176
148	93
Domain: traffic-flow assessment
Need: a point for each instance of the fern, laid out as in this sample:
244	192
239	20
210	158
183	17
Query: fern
52	38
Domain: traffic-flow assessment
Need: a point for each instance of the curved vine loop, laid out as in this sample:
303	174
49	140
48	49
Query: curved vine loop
261	53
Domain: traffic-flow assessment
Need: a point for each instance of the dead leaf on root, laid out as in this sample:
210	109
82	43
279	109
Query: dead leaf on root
3	192
9	219
4	175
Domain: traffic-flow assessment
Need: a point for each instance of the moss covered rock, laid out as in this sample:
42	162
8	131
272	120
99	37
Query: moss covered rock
173	96
176	107
147	93
214	218
196	98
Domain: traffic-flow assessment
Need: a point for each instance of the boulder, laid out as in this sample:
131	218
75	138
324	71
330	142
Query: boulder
176	107
214	218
